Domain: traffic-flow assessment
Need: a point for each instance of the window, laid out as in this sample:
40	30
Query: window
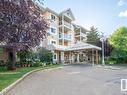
69	36
54	56
53	42
53	30
49	42
1	50
68	14
53	17
35	13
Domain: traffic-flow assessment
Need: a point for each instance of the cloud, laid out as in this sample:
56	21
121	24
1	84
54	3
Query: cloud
123	14
121	2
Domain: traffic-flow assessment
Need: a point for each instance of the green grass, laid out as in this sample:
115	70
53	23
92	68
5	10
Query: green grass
8	77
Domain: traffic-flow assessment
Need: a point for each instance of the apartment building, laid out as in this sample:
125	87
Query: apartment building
67	40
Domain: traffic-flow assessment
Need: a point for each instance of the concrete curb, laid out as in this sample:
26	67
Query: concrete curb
4	91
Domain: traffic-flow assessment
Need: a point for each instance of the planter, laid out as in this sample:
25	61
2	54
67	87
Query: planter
28	65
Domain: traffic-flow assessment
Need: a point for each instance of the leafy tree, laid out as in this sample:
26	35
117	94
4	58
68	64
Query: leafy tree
119	38
92	35
107	46
119	42
21	26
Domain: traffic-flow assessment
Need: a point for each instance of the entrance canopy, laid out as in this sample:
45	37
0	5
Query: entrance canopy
74	47
81	46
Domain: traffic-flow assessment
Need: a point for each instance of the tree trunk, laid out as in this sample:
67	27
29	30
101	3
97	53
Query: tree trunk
12	60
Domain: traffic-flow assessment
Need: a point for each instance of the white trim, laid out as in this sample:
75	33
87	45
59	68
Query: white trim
124	85
54	16
49	42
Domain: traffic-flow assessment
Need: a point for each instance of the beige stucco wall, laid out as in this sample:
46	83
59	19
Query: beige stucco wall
54	24
4	55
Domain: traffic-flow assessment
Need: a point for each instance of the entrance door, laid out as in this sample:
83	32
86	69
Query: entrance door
75	58
81	58
59	57
66	58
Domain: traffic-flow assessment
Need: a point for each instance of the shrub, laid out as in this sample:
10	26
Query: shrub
119	55
38	64
3	66
8	64
24	55
2	63
110	60
49	63
45	55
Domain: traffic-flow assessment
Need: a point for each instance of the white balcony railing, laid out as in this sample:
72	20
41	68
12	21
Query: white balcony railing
67	24
77	33
65	36
81	34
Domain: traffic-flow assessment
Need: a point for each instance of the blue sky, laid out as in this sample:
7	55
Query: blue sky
106	15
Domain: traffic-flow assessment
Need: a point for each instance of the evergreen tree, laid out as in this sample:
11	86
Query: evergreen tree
92	35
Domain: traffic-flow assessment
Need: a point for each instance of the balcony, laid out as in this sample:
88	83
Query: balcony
65	36
83	34
66	24
80	34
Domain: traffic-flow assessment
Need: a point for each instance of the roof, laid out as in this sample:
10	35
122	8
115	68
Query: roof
79	26
57	47
74	47
48	9
69	12
81	46
43	8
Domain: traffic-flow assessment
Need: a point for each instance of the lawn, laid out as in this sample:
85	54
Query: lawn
8	77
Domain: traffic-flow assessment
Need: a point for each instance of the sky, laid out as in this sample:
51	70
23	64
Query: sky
106	15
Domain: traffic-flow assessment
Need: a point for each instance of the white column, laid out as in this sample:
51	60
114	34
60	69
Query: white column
78	58
72	58
80	34
53	56
63	29
62	57
92	57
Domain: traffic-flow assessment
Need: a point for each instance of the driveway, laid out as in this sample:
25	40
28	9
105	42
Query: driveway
73	80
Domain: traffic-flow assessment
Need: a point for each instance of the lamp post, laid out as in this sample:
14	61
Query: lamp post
102	41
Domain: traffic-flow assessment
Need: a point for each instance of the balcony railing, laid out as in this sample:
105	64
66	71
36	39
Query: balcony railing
80	34
83	34
65	23
77	33
65	36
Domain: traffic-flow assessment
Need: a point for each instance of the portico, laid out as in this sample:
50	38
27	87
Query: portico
79	53
82	56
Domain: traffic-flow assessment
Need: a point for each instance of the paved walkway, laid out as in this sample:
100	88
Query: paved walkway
73	80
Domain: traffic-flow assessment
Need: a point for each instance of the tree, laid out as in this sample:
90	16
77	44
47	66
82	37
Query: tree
21	26
107	46
119	38
39	1
119	42
92	35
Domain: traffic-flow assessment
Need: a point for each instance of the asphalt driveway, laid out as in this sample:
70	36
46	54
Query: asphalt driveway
73	80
